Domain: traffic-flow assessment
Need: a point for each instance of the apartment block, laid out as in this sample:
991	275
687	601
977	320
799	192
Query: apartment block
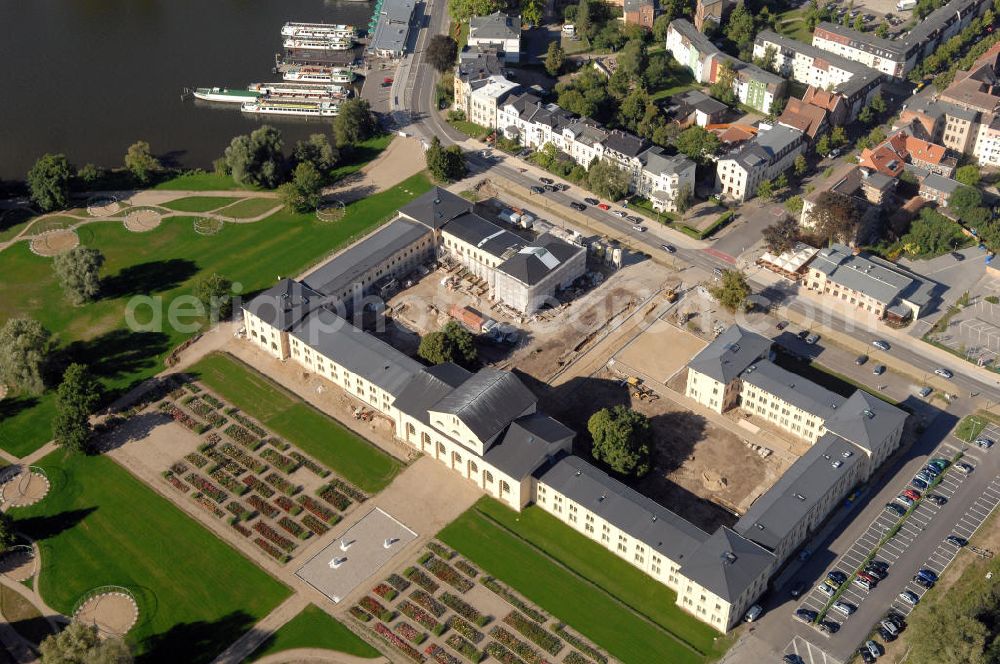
769	154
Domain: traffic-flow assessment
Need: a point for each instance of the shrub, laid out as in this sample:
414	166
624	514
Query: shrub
237	510
531	612
228	481
262	506
534	632
398	582
326	515
428	602
248	461
372	606
575	658
399	643
247	422
501	654
447	573
385	591
520	648
206	503
206	412
421	579
238	528
285	503
289	525
272	551
258	486
278	443
206	487
309	464
274	537
440	655
356	495
242	436
464	609
212	401
424	619
223	462
465	567
282	485
441	550
334	497
196	460
175	482
424	557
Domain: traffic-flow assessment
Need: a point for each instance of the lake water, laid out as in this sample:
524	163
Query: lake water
90	77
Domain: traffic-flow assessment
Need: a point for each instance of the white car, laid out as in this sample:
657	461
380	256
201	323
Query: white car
619	213
641	229
844	608
944	373
754	613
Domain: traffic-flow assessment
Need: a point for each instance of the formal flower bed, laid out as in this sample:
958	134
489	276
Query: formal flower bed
258	486
206	487
334	497
398	582
224	462
279	461
206	412
440	655
575	658
178	468
213	438
465	567
288	524
212	401
248	461
374	607
441	550
228	481
190	387
534	632
465	628
242	530
274	537
418	577
281	484
385	591
175	482
262	506
322	513
186	420
464	648
428	602
309	464
495	586
209	506
447	573
501	654
424	619
579	644
237	510
354	494
243	437
315	525
286	503
410	633
520	648
464	609
278	443
246	421
360	613
272	550
399	643
196	460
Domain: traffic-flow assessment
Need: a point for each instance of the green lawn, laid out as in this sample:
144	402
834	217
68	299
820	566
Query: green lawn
970	427
792	24
316	434
628	636
470	129
360	155
199	203
200	181
13	222
314	628
161	264
99	525
680	79
250	207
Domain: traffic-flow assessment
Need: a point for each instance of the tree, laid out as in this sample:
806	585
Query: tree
80	643
304	192
931	234
607	180
445	164
78	272
683	198
964	199
794	205
660	27
782	235
48	181
968	175
823	145
838	136
859	23
531	12
622	440
584	22
836	217
632	59
442	51
878	103
722	89
452	343
697	143
76	398
256	159
765	190
90	174
316	151
731	290
7	535
882	31
140	161
355	122
215	292
866	115
554	58
740	29
781	181
461	10
24	349
769	60
800	166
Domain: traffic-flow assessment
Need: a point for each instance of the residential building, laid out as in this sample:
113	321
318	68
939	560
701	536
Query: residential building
856	83
695	107
879	287
663	176
971	110
640	12
812	121
710	11
486	96
474	65
835	105
937	189
769	154
869	191
527	119
498	31
902	147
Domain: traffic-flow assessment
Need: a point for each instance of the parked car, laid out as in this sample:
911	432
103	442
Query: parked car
867	576
792	658
928	574
551	187
619	213
886	635
925	476
921	581
591	201
797	589
956	540
826	589
860	359
635	218
925	391
753	613
637	227
604	206
944	373
881	345
873	648
863	583
844	608
909	597
876	572
546	180
895	509
912	493
936	499
866	656
879	369
829	626
669	248
889	626
782	324
837	577
577	206
919	483
964	468
940	463
537	190
879	564
897	619
905	500
812	338
984	443
805	615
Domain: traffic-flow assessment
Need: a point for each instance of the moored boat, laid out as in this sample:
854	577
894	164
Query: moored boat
227	95
300	90
319	44
319	75
267	106
318	31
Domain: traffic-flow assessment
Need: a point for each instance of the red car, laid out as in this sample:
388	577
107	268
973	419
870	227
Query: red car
604	206
912	494
867	577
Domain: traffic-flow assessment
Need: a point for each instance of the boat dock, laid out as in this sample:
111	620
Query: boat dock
293	57
390	27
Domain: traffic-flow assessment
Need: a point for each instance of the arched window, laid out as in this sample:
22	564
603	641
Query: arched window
473	468
410	430
489	477
504	487
456	459
425	441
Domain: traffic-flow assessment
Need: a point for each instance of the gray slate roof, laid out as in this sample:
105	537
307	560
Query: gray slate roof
393	26
526	444
284	304
625	143
485	235
345	269
494	26
727	564
860	274
866	420
765	147
435	208
776	513
730	354
861	74
793	389
939	183
644	519
702	44
360	353
539	259
656	160
478	62
428	387
487	402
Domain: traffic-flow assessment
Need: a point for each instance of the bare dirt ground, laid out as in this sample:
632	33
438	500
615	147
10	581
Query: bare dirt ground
17	565
114	614
403	158
661	350
54	243
701	470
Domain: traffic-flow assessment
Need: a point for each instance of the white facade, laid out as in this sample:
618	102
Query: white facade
484	100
